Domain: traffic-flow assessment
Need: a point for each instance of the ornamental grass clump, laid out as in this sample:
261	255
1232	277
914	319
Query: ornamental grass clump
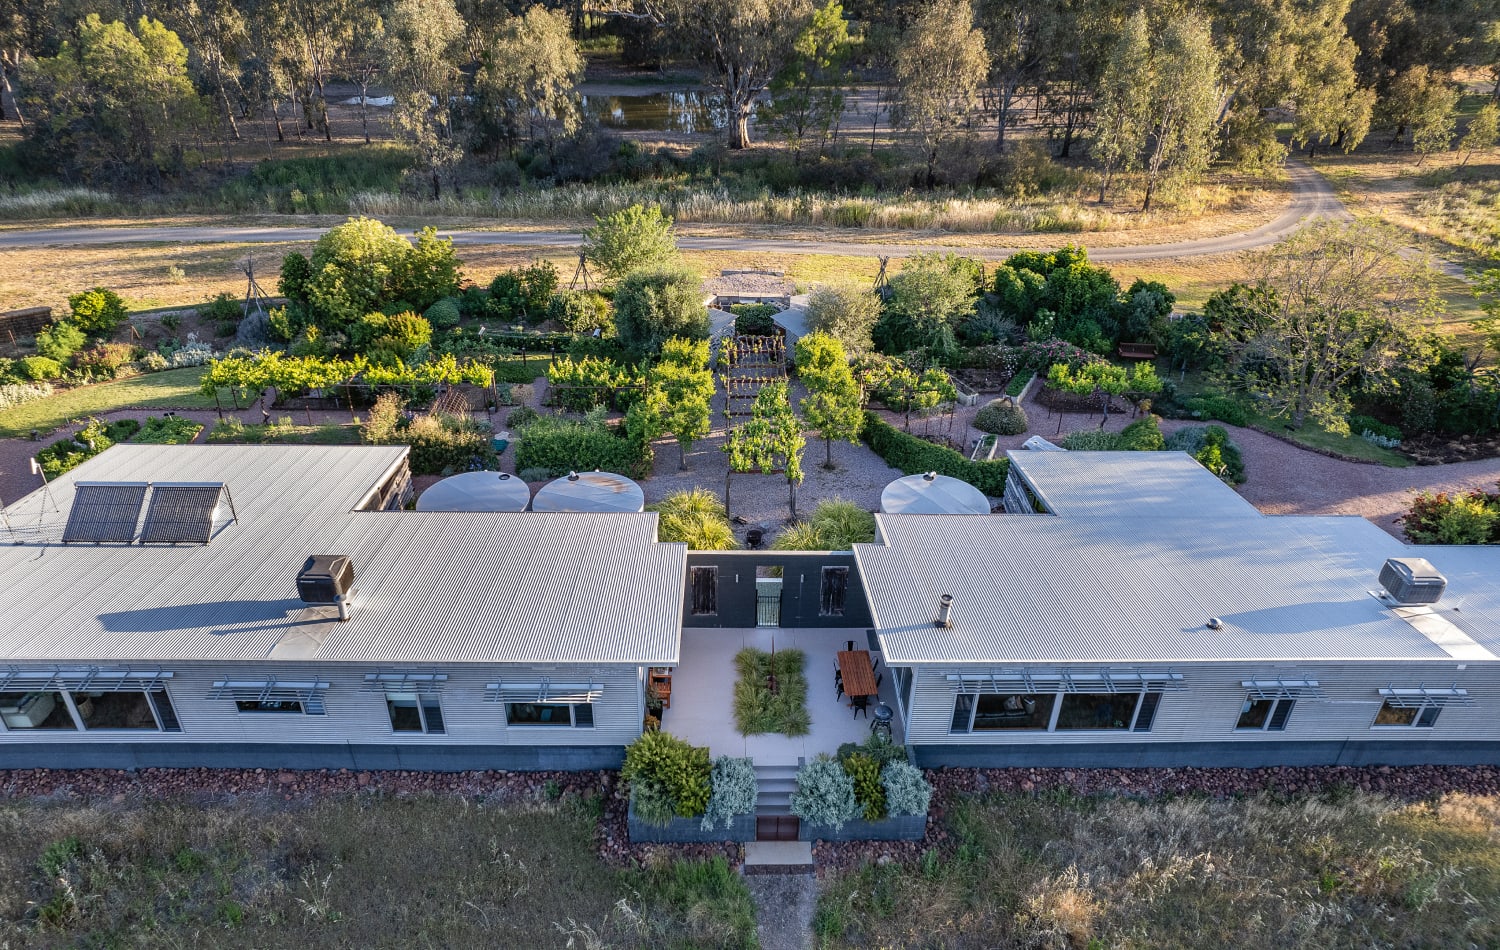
771	693
735	791
907	791
864	772
825	793
661	769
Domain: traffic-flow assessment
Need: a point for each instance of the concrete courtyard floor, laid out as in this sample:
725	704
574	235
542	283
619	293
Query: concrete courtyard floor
703	693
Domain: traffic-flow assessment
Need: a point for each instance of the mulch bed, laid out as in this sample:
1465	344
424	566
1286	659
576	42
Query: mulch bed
1437	449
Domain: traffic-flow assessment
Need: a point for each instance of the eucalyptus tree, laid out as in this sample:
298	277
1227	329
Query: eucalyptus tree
423	42
529	74
809	91
1123	103
1184	104
940	67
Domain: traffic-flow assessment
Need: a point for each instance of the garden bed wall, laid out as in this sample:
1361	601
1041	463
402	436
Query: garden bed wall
900	828
688	830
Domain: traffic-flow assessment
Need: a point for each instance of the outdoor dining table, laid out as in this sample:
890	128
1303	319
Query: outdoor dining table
859	678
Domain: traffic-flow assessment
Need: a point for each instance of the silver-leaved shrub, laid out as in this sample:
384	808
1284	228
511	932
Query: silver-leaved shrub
735	791
825	793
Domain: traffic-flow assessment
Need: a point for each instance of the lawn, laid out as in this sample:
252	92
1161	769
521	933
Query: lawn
347	872
1344	870
283	432
1316	437
756	708
172	389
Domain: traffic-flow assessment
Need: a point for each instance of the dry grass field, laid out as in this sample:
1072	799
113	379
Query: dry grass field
369	871
1079	873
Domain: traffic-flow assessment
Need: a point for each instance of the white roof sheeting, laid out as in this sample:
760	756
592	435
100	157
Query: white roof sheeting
1128	484
432	586
1033	588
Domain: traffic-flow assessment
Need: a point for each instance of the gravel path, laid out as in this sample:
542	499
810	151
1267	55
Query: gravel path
1283	479
784	908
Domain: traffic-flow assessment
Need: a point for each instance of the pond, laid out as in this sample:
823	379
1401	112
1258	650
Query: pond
683	110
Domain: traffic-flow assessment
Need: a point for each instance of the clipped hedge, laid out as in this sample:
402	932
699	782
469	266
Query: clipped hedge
913	456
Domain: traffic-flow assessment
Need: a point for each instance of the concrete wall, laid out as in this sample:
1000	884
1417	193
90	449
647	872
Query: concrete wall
900	828
1195	725
801	587
441	757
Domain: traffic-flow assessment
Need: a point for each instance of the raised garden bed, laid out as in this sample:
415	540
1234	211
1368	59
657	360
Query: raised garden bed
757	709
899	828
688	830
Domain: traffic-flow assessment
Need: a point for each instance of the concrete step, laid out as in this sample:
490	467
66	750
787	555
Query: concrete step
778	857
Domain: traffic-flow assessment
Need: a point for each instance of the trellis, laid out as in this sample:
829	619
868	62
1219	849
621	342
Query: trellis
756	352
740	392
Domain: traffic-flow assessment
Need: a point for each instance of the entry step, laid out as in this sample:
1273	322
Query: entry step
778	857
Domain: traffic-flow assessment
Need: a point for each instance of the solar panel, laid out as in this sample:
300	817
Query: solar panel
181	512
104	511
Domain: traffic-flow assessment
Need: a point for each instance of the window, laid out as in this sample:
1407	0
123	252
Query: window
705	591
269	706
835	587
126	710
35	710
1097	710
580	715
415	712
989	712
1416	716
1265	715
1145	715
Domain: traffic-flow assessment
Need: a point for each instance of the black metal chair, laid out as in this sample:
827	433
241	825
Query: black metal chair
838	683
861	704
753	538
879	679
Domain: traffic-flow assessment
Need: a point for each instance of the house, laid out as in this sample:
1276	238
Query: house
1136	611
158	608
501	640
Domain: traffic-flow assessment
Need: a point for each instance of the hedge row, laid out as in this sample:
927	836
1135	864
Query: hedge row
913	455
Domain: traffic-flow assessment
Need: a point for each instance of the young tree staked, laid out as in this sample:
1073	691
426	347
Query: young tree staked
940	66
770	441
686	385
845	311
630	239
834	407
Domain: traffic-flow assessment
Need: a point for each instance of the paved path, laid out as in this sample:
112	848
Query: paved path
1312	197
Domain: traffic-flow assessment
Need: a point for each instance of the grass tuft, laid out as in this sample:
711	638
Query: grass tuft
756	708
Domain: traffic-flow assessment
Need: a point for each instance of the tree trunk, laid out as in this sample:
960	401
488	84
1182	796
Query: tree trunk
1104	182
1002	119
6	89
364	108
792	495
739	127
437	185
681	456
1150	193
727	476
828	446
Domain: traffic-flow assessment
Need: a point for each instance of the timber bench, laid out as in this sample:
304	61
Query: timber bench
1138	351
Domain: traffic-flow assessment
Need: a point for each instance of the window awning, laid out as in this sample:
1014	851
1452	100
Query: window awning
1415	697
405	682
544	691
307	692
81	679
1056	681
1282	688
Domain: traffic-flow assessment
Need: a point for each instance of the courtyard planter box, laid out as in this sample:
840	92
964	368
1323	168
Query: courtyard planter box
899	828
689	830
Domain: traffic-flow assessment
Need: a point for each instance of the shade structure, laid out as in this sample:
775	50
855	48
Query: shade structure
590	491
476	491
932	494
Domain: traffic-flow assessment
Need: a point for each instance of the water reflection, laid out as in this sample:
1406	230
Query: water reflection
680	111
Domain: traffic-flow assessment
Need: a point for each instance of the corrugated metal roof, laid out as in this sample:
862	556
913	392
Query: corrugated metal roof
1128	484
433	586
1472	600
1030	588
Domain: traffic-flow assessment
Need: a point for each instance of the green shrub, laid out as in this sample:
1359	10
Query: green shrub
521	417
533	475
754	319
102	360
1143	435
836	524
67	454
443	315
735	791
59	341
1366	426
593	383
39	368
907	791
12	395
98	312
868	790
1213	449
1471	518
580	311
1091	440
756	708
697	518
824	793
564	445
680	768
442	445
162	430
1222	408
1002	417
224	312
912	456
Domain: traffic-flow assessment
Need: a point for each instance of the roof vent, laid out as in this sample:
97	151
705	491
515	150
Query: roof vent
930	476
328	579
945	612
1214	623
1412	580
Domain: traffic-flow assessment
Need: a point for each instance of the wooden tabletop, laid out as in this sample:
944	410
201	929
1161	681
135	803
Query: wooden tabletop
859	678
